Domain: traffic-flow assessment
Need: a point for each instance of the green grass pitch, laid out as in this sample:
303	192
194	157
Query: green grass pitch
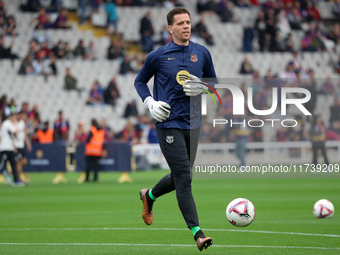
105	217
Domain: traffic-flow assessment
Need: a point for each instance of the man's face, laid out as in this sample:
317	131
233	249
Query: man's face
181	29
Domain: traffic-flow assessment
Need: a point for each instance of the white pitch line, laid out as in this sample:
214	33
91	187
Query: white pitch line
170	245
169	229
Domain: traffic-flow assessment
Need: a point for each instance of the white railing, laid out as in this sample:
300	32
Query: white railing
258	153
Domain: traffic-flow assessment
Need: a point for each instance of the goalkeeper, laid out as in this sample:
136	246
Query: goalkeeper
176	108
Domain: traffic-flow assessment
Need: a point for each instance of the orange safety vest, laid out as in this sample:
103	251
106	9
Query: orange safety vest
45	137
95	146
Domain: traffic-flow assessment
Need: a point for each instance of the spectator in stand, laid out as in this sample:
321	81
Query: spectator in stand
112	16
91	53
335	33
82	11
129	134
288	43
297	63
142	128
67	52
248	37
53	65
146	31
283	24
327	88
11	107
32	128
95	4
6	52
288	76
320	42
34	113
260	28
25	108
336	9
71	81
43	20
295	19
271	30
81	133
2	9
109	134
246	67
335	111
278	45
225	10
2	22
318	137
61	128
202	31
337	66
205	133
307	42
281	134
54	6
45	49
111	93
311	85
80	50
96	94
33	48
152	135
268	79
131	110
11	27
31	6
259	91
115	50
58	50
313	13
62	20
41	64
40	34
26	67
241	136
125	66
204	6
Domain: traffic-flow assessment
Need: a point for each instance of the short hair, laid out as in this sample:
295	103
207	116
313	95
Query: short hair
170	17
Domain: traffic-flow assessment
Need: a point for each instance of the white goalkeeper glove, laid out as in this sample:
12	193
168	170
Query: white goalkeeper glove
159	110
193	86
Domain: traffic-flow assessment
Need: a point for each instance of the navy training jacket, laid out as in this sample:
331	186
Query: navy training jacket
170	65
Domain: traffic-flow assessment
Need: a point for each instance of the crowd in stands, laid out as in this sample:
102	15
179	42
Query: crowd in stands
272	29
295	75
275	22
143	131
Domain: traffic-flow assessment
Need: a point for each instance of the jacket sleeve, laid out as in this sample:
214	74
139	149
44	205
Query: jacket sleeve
209	75
148	70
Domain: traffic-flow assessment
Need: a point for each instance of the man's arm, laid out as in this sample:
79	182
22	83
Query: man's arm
89	136
148	70
28	142
159	110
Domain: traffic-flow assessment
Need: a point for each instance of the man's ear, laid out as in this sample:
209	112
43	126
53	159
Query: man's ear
170	29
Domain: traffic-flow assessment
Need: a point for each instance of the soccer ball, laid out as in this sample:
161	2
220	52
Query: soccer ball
323	209
240	212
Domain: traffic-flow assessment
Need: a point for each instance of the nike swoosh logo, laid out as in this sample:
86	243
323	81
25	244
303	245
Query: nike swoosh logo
171	58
